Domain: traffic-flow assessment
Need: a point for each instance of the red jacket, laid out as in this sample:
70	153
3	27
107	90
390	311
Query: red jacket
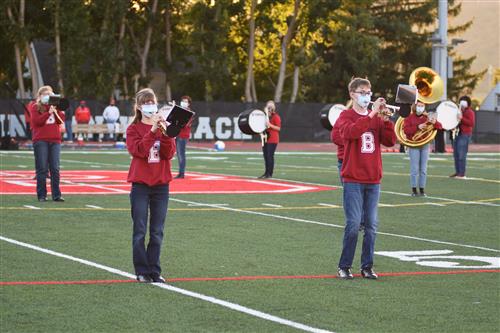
82	115
467	123
337	139
410	124
362	137
151	155
273	136
185	132
44	126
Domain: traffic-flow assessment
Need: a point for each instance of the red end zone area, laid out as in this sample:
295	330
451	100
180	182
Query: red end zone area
115	182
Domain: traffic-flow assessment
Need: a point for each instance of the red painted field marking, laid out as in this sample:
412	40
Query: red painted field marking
248	278
93	182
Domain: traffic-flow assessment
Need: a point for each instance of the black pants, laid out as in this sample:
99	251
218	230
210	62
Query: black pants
268	149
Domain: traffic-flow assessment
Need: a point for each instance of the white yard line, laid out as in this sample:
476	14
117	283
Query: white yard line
213	300
331	225
31	207
272	205
92	206
328	205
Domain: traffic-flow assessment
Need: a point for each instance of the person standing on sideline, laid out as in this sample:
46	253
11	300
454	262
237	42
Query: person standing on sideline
417	121
111	114
82	116
182	139
150	175
362	132
467	120
46	130
273	138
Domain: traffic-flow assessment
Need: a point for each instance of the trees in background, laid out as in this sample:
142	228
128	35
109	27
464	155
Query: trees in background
289	50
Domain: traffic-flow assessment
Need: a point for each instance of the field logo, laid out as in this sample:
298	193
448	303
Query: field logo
441	259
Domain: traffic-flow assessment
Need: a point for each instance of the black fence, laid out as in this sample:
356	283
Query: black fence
219	120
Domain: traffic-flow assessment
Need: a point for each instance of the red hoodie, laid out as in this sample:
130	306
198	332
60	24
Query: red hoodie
44	126
362	137
151	155
467	122
337	139
410	124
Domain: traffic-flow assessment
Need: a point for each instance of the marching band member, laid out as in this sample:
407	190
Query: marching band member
150	176
182	139
416	122
461	143
362	132
46	131
273	138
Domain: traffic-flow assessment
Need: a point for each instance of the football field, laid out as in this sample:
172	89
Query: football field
247	255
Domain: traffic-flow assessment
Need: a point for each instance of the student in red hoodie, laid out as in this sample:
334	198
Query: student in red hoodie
46	133
273	138
150	175
182	139
362	132
467	120
417	121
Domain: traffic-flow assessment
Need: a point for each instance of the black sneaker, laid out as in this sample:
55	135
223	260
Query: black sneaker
42	199
179	176
345	274
369	273
158	278
60	199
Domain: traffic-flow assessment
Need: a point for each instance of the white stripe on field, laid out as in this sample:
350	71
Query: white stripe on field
272	205
434	204
31	207
328	205
232	306
333	225
92	206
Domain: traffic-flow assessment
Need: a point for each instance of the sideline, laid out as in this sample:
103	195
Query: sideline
232	306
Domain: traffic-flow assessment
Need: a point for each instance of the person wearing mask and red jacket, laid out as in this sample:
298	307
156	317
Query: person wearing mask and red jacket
467	120
273	138
362	132
150	175
46	136
183	138
417	121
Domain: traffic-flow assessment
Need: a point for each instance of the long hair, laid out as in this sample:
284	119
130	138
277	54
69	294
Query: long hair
142	96
42	90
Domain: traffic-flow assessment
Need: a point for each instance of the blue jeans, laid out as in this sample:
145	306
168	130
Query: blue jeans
418	165
460	149
144	198
69	129
268	150
180	146
360	204
47	156
339	167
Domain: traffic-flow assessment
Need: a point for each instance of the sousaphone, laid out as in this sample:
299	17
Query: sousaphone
430	88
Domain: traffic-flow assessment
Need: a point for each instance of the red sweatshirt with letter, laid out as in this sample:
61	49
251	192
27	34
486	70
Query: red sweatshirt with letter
362	137
151	155
44	125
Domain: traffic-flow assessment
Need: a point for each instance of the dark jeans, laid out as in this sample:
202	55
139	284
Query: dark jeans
47	156
144	198
180	145
360	206
68	123
460	150
268	149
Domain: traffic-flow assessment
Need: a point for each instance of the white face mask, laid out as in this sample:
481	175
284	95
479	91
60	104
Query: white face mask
184	104
363	101
420	109
45	99
149	109
464	104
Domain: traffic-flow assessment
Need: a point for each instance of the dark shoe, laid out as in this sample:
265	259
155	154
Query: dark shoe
369	273
345	274
42	199
263	176
179	176
143	278
453	175
60	199
157	278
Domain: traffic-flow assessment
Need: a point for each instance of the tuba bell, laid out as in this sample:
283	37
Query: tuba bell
430	89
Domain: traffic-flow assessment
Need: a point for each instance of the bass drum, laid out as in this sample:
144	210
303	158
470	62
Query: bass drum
252	121
447	115
329	115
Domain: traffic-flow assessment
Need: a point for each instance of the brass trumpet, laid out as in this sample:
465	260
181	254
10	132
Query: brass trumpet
388	110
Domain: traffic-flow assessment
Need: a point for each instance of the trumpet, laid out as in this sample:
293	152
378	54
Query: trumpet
388	110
